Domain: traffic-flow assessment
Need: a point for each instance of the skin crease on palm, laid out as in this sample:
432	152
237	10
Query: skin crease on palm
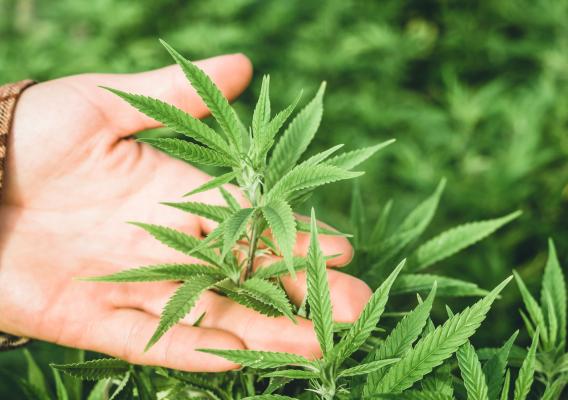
75	177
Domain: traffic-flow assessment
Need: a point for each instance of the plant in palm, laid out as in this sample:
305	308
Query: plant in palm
272	179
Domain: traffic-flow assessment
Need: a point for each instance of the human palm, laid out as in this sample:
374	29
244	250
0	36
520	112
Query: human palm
74	178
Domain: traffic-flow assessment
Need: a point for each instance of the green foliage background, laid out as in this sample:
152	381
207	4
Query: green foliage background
473	91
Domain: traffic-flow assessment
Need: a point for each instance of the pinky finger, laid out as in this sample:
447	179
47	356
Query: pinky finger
123	333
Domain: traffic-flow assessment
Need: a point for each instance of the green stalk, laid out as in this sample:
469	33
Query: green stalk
254	237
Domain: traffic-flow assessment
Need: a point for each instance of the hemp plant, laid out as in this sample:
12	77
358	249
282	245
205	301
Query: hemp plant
272	179
359	360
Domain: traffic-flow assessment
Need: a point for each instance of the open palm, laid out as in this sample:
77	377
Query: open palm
74	178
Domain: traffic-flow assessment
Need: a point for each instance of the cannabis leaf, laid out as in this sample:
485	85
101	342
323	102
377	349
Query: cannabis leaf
367	321
180	241
307	176
209	211
213	183
554	286
400	340
260	359
353	158
234	227
95	369
494	368
180	304
526	373
269	294
295	139
534	310
318	292
367	368
472	374
412	283
213	98
177	120
412	226
437	345
281	220
456	239
161	272
190	152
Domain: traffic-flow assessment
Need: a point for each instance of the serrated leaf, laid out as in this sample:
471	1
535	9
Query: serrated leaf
282	222
217	104
176	119
533	309
295	139
411	227
302	226
229	199
506	386
353	158
259	359
526	373
318	292
366	368
264	142
181	303
279	268
307	176
321	156
234	227
261	114
95	369
472	375
189	152
455	240
400	340
209	211
292	374
551	318
160	272
437	345
180	241
367	321
494	368
554	284
249	301
213	183
450	287
269	294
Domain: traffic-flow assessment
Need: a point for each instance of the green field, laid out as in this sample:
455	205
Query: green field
473	92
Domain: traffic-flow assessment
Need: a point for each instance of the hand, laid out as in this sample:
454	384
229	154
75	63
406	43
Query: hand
74	177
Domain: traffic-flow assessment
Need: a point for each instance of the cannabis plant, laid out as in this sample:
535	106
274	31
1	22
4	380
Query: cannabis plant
414	359
545	322
379	242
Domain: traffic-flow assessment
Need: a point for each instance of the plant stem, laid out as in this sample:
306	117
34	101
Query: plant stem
254	237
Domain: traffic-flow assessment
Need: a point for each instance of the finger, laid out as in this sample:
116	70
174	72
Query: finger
231	73
349	295
257	331
123	333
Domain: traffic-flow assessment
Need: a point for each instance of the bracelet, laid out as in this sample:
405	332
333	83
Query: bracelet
8	97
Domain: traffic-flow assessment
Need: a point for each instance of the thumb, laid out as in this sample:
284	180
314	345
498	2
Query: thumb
231	73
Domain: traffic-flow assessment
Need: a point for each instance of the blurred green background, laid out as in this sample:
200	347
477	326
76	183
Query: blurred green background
476	92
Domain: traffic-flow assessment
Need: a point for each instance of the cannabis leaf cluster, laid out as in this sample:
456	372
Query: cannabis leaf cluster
267	169
414	358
